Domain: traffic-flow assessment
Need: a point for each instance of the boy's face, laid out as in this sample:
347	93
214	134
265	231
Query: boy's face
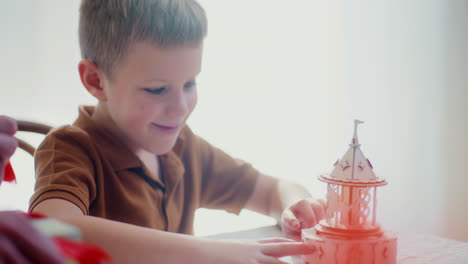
152	93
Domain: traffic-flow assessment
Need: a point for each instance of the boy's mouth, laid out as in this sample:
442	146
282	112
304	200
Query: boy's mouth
166	129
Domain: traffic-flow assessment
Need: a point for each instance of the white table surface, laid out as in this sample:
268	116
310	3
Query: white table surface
412	248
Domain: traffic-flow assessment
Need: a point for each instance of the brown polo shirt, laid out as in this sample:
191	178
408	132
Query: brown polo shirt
89	167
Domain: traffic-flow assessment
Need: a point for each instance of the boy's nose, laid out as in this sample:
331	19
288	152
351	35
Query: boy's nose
178	106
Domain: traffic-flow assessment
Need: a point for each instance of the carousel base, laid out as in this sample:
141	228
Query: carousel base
346	249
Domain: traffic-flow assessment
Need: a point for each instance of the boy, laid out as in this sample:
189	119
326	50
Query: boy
130	168
20	242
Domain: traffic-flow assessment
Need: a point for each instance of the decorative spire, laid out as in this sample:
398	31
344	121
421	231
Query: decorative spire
355	137
354	166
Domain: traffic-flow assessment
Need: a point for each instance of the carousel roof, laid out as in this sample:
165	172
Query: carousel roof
354	168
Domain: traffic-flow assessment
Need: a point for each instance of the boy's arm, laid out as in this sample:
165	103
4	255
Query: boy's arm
125	243
289	203
133	244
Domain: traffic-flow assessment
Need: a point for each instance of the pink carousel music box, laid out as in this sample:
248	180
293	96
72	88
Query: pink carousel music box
349	234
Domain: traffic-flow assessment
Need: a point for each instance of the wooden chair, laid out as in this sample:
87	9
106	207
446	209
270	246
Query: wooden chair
34	127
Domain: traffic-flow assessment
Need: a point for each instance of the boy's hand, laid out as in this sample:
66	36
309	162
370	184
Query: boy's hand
266	251
302	214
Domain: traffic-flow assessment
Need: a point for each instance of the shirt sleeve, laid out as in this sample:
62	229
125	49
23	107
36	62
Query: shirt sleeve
226	183
64	168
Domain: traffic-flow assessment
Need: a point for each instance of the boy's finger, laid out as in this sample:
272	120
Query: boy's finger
286	249
275	240
323	203
291	221
318	211
8	125
272	260
303	210
294	236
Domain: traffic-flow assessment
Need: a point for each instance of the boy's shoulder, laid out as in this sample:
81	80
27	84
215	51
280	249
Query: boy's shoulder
82	133
68	139
66	133
82	137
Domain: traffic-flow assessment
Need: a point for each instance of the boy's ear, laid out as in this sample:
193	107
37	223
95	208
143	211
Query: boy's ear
92	79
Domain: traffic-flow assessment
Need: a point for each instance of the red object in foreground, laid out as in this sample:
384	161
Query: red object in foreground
79	251
9	173
35	215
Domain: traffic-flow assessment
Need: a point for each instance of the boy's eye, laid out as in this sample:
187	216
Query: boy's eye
159	90
190	84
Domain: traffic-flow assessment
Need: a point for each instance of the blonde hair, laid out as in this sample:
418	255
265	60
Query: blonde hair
107	28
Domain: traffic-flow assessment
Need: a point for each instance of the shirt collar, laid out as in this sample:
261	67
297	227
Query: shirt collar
119	155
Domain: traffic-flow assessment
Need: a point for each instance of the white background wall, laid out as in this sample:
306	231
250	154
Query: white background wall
280	87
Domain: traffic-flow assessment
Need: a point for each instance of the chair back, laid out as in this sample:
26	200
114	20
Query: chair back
34	127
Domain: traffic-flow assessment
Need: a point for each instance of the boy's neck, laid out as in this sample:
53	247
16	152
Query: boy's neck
151	162
102	118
